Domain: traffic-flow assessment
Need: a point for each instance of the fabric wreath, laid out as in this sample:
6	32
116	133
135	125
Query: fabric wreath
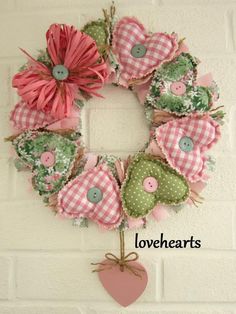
170	169
75	69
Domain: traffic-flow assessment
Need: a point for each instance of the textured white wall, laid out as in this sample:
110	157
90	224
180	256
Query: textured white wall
44	261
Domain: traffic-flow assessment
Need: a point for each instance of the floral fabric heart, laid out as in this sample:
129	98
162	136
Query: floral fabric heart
174	88
150	182
184	142
138	52
95	195
50	156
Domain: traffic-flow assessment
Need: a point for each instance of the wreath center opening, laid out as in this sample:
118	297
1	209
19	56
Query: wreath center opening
115	124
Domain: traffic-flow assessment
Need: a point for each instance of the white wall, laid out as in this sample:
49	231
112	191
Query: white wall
44	261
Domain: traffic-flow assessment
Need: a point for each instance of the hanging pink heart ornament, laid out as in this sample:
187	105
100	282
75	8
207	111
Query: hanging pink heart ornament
123	277
124	286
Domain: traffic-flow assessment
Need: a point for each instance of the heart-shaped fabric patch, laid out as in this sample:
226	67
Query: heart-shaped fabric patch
50	156
150	182
138	52
184	142
174	88
94	194
98	31
23	117
123	286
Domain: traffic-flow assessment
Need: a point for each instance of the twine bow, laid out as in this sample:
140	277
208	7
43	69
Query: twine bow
123	261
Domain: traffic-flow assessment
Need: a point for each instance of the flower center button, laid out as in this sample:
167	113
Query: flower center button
60	72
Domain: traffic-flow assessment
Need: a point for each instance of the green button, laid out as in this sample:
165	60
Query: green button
94	195
138	51
60	72
186	144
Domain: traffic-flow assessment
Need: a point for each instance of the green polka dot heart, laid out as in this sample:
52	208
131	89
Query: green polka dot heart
98	31
150	182
49	155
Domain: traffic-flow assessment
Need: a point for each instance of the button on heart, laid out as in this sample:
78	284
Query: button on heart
139	53
150	184
94	195
47	159
178	88
186	144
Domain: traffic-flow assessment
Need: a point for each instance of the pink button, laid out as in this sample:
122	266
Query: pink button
150	184
47	159
178	88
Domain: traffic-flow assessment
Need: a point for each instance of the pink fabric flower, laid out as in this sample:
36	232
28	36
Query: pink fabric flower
76	67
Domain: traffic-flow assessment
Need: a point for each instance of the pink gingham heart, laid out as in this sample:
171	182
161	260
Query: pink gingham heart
94	194
23	117
184	142
159	47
